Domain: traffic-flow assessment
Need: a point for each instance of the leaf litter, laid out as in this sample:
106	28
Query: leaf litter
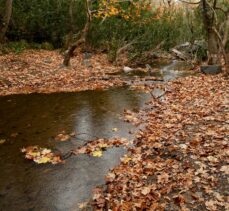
93	148
42	71
41	155
180	160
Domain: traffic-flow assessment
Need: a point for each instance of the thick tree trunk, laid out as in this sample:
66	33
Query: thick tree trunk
226	30
6	19
213	47
212	40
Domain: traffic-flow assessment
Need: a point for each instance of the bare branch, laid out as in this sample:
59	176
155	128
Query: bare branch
187	2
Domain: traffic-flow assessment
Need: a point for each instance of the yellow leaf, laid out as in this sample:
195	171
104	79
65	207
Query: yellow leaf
2	141
97	153
34	154
126	159
115	129
103	145
42	160
83	205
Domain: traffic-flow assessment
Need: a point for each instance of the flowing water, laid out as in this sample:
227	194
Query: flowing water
36	119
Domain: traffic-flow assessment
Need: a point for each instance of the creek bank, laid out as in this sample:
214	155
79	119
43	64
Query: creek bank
41	71
179	161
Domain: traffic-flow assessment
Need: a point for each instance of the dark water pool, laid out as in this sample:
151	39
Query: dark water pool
34	120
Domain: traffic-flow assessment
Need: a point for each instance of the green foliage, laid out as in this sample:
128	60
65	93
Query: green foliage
20	46
17	47
47	23
41	21
170	28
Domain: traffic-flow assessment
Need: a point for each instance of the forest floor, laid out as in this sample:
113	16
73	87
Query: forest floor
42	71
180	160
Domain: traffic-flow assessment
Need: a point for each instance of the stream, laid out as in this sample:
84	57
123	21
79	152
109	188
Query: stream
35	119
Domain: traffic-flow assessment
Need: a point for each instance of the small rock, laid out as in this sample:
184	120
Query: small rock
157	93
127	69
211	69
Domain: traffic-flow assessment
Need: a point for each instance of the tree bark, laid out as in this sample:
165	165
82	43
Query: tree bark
212	40
69	37
6	19
213	48
70	52
226	31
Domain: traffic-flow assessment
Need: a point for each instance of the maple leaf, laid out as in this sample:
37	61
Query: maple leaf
103	145
110	177
83	205
62	137
225	169
212	159
97	153
145	190
41	155
2	141
41	160
211	205
163	178
179	199
126	159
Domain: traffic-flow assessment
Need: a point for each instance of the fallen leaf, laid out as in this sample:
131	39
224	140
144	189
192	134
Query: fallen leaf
14	135
211	205
163	178
126	159
42	160
97	153
62	137
145	190
2	141
225	169
41	155
83	205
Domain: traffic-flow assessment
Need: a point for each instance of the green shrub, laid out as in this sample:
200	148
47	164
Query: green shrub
18	47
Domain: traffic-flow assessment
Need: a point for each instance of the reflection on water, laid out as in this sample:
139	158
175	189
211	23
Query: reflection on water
35	119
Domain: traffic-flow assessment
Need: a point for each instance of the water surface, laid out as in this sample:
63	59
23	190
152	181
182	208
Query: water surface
36	119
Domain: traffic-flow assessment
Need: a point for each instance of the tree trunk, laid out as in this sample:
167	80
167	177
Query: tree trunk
212	40
213	47
6	19
69	37
226	30
70	52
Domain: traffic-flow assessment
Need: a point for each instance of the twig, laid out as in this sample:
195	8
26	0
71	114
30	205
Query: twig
186	2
